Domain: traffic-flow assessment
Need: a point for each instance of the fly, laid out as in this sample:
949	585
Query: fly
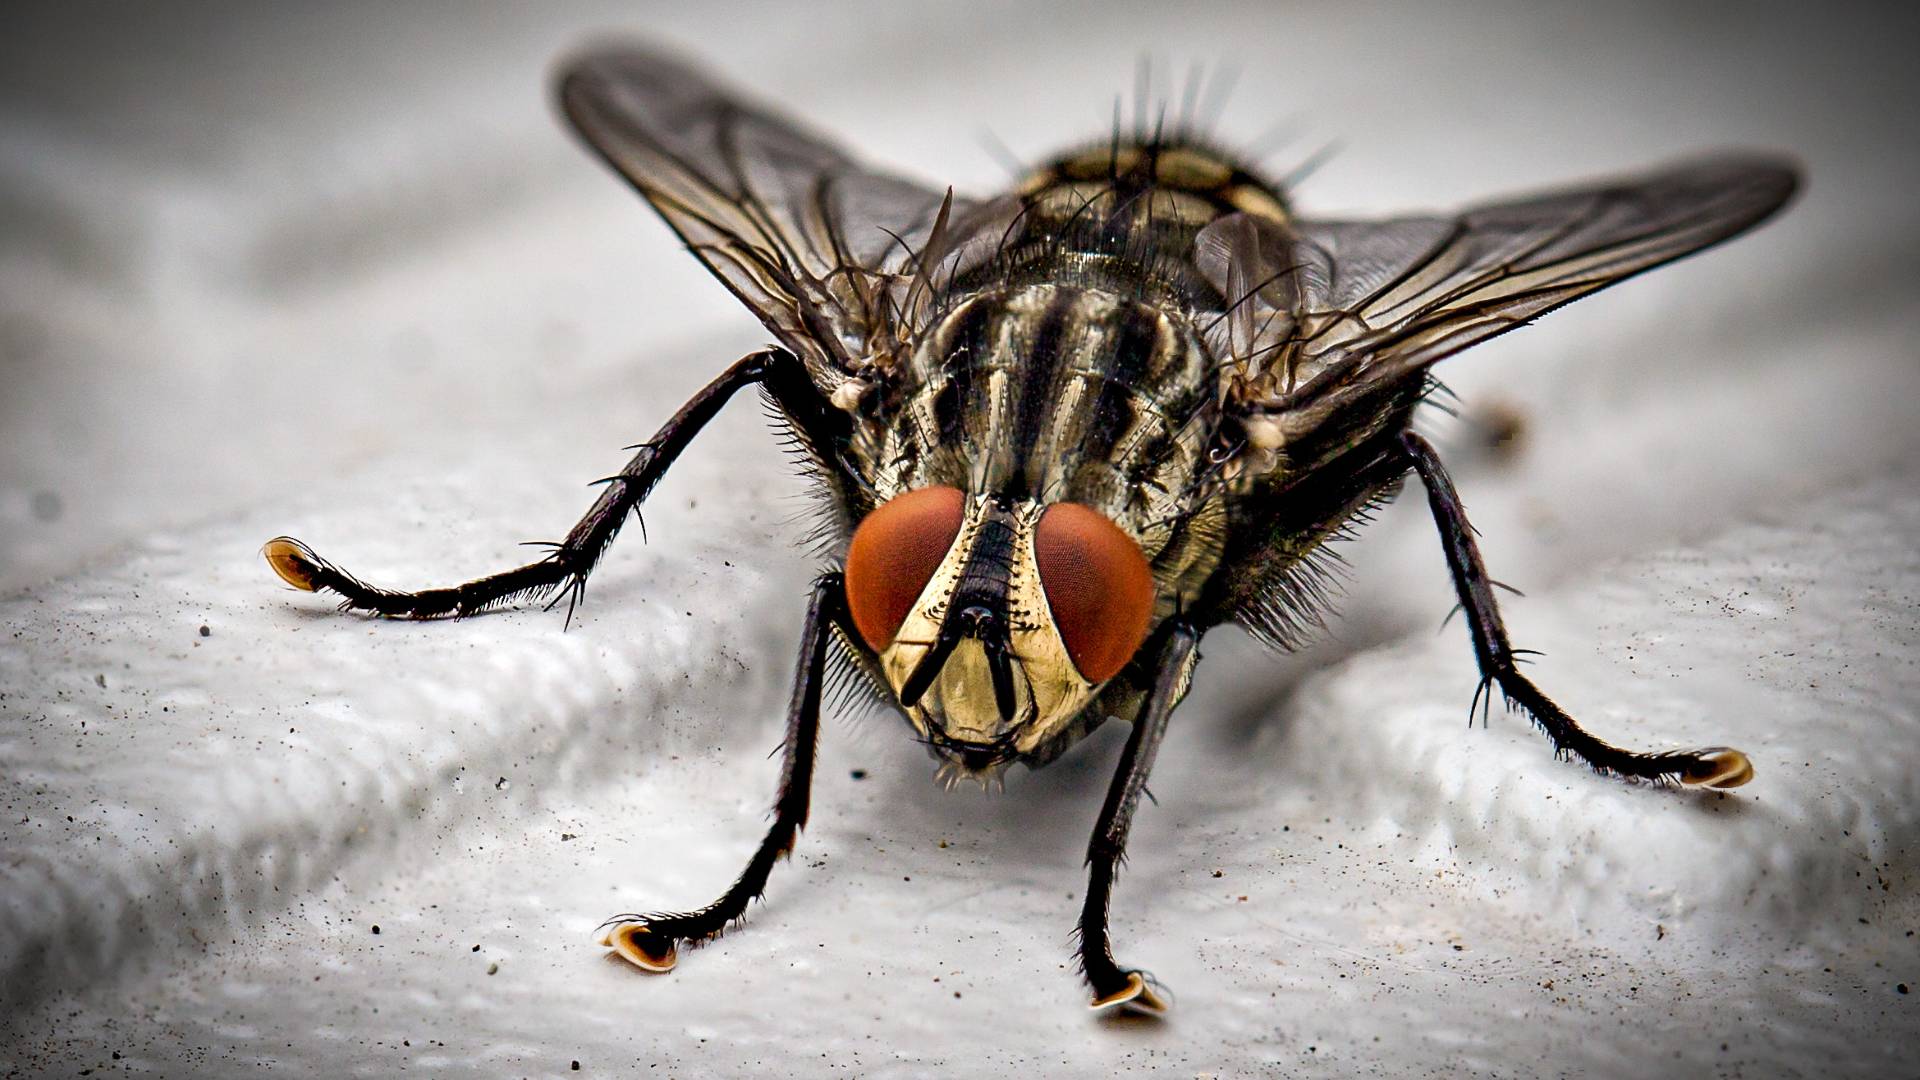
1067	430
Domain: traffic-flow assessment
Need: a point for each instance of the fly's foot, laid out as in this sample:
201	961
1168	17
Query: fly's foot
1720	767
642	946
294	561
1137	993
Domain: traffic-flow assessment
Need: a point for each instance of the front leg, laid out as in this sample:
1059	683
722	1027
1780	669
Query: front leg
651	941
1715	767
1114	986
564	570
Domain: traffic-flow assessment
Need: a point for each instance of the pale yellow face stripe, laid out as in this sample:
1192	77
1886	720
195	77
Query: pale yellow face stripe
1049	690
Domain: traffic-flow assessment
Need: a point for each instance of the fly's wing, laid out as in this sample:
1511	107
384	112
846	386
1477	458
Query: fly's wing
814	242
1324	315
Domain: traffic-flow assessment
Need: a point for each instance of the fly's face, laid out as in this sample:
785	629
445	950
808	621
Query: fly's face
995	620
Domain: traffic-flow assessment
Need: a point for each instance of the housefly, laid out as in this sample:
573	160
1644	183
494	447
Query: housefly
1067	430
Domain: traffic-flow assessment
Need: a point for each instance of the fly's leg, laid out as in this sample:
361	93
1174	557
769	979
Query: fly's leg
651	941
1714	767
564	570
1115	986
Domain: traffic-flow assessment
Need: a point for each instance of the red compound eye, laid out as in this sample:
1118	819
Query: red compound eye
1098	584
894	554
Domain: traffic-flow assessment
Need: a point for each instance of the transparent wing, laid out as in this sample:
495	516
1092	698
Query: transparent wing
1323	314
811	240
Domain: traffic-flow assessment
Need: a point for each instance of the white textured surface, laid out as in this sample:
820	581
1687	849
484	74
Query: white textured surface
344	279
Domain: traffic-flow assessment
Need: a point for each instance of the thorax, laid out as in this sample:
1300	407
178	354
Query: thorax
1056	393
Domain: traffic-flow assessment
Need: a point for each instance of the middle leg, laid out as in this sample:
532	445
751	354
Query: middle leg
564	570
651	941
1715	767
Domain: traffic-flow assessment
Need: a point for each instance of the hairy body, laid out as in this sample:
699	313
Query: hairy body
1067	430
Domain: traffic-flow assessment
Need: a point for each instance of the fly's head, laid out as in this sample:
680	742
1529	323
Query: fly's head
995	620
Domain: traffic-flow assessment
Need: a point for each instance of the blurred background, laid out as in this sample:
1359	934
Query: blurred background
340	271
